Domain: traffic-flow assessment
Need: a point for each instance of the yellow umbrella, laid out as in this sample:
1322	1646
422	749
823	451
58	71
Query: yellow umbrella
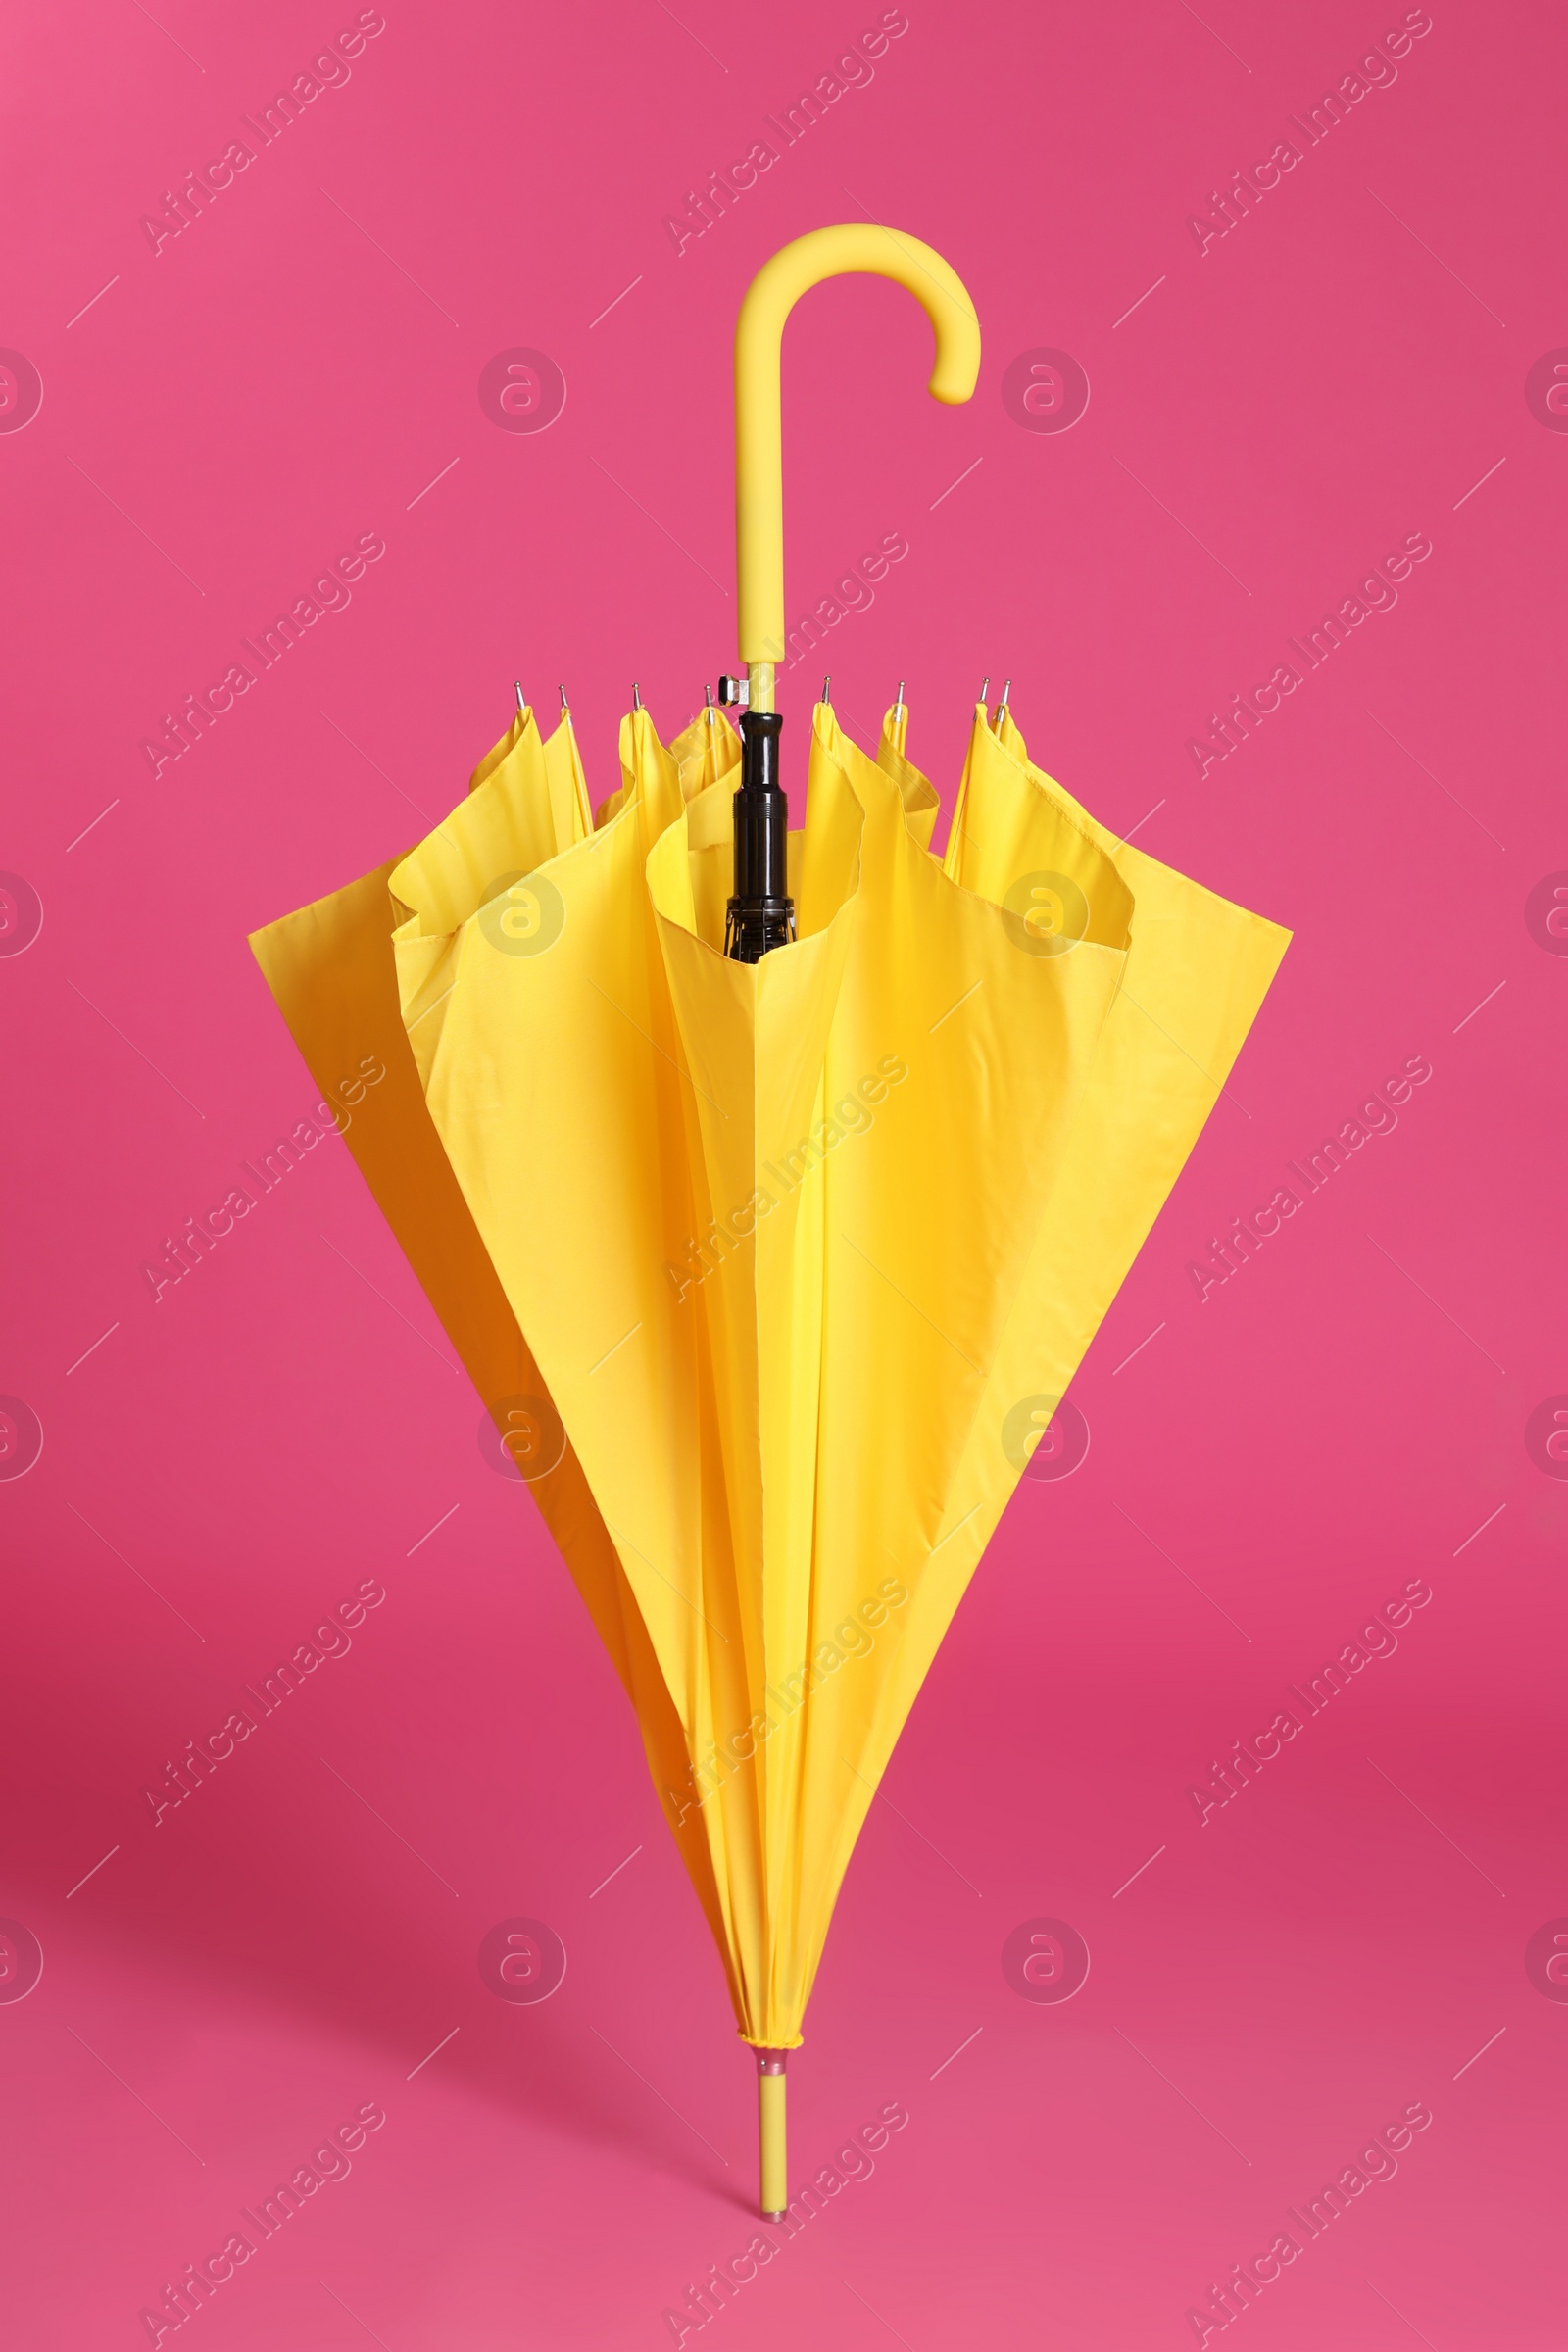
793	1251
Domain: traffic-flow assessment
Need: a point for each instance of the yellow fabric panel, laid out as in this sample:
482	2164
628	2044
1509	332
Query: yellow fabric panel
788	1241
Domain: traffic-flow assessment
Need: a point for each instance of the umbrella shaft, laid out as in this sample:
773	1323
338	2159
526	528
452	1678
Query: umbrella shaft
775	2194
761	912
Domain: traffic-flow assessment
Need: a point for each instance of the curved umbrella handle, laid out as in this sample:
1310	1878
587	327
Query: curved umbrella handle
759	451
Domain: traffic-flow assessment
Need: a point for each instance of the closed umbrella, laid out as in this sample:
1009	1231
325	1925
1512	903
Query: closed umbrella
785	1175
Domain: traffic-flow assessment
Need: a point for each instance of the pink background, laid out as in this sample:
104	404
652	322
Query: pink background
1281	411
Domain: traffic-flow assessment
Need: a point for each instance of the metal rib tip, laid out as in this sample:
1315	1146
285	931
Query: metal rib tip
522	708
826	694
897	701
565	707
708	700
985	687
636	698
1006	691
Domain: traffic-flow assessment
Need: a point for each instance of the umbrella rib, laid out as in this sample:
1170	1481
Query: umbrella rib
909	1302
658	1048
658	2094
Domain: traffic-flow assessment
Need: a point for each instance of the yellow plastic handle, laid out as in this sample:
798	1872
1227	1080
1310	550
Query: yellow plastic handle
759	448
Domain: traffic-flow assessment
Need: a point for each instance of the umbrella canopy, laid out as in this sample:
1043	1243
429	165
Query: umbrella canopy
791	1261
